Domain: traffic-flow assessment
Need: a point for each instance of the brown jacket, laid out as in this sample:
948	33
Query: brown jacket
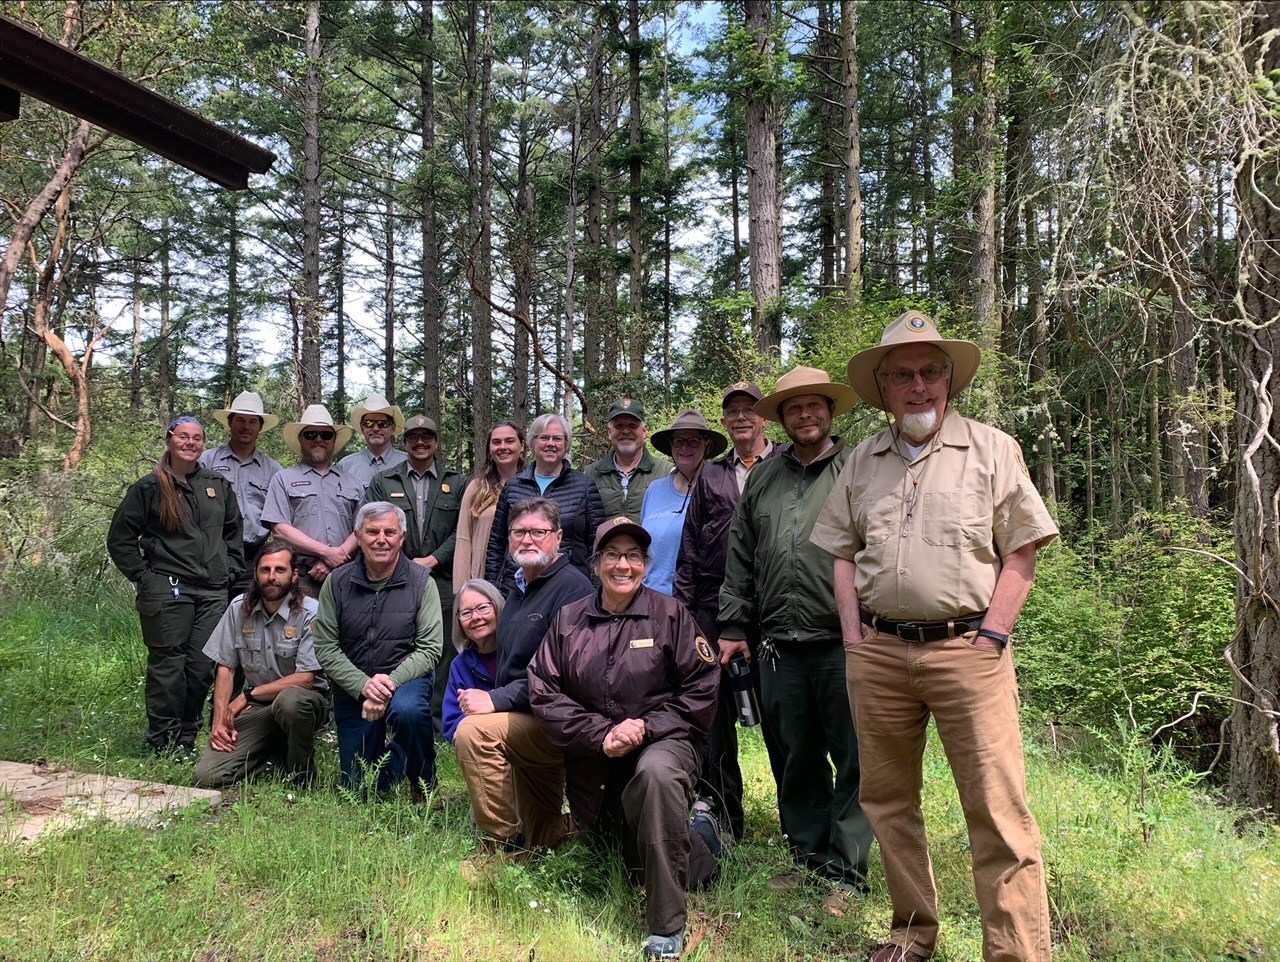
595	669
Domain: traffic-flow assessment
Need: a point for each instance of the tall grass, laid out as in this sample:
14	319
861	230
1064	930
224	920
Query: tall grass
1143	864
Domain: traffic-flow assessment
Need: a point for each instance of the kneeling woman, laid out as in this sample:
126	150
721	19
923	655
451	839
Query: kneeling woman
626	687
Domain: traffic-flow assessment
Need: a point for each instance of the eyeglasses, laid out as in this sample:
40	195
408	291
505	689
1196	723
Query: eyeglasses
537	534
687	442
466	614
188	438
375	422
319	435
550	438
633	557
930	375
416	436
733	414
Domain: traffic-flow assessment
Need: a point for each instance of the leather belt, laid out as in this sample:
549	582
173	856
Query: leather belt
924	630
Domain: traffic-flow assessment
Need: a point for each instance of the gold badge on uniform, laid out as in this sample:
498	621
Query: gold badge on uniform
445	489
290	631
641	642
211	492
703	648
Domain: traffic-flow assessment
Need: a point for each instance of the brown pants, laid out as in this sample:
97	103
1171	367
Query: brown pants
515	777
894	686
649	820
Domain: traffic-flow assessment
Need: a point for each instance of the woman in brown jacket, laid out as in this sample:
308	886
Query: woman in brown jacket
625	686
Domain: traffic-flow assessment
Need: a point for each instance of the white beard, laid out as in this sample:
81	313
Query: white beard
920	425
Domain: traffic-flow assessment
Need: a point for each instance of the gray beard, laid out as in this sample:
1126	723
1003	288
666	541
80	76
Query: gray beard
919	425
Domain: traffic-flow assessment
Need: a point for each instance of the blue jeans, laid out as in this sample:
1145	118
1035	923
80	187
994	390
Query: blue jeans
363	744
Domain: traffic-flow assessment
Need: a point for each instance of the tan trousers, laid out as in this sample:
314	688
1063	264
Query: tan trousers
972	694
515	777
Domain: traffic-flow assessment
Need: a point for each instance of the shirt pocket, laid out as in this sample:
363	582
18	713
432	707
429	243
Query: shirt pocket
252	657
956	519
255	493
287	657
877	519
305	509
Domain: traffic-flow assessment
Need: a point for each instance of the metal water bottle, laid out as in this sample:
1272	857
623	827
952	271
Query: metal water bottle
740	679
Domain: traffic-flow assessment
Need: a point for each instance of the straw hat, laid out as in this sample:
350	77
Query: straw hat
805	380
246	402
377	404
913	327
315	416
690	420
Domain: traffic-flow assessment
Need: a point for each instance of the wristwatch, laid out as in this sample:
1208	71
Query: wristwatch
248	696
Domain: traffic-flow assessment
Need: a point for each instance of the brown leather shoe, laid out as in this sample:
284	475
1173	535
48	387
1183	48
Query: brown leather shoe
892	952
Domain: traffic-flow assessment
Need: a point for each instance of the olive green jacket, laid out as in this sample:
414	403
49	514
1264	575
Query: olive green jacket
607	479
775	577
440	531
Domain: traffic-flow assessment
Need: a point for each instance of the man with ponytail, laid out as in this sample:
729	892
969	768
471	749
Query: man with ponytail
177	535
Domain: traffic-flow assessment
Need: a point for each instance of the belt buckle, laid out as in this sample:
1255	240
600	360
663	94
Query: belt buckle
907	628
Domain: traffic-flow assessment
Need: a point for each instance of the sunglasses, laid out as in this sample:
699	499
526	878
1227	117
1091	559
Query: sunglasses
319	435
376	423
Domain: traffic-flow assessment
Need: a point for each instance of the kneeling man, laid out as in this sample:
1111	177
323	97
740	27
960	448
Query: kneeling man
273	719
378	636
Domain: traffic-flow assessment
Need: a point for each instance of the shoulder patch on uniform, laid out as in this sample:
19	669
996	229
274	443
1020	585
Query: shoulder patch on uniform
703	648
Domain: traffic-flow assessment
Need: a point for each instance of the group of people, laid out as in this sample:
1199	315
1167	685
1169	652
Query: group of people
594	615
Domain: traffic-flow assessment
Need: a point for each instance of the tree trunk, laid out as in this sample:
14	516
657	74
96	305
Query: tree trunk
1255	651
565	341
764	237
852	156
135	350
432	311
339	408
480	42
165	356
638	340
523	280
592	267
311	387
982	267
233	379
388	290
1045	476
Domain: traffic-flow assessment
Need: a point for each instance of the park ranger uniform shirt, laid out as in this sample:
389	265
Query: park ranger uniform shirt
250	480
267	646
927	535
321	506
363	465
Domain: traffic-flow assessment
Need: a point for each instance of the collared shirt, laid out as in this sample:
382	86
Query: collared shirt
267	646
422	492
928	536
249	480
741	469
363	465
321	506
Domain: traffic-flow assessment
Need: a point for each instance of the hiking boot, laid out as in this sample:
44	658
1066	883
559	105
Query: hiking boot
708	829
663	946
842	896
892	952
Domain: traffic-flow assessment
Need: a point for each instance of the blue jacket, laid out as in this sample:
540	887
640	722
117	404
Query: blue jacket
467	671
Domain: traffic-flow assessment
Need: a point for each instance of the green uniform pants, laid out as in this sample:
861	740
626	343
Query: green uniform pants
803	697
281	734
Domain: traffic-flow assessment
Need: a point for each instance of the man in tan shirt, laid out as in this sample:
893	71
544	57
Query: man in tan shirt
934	526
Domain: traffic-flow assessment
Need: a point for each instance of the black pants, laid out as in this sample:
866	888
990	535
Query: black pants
721	776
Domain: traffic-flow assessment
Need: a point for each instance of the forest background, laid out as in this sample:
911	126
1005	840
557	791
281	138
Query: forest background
490	209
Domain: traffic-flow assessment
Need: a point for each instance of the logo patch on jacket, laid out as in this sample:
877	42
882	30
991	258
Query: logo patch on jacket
703	648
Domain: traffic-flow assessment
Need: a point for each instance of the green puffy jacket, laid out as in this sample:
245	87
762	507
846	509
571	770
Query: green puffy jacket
775	578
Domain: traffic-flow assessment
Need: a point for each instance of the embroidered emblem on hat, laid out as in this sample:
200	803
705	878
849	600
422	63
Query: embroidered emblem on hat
211	492
445	489
626	402
620	519
290	631
917	323
740	386
703	648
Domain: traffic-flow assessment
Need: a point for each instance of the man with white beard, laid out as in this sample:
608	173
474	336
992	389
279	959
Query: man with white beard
934	526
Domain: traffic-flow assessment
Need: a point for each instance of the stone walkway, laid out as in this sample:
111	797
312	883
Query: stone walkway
36	799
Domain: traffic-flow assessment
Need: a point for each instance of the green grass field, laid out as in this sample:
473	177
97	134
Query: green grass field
1143	864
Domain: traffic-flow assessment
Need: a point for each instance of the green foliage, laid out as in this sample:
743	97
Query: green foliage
1135	633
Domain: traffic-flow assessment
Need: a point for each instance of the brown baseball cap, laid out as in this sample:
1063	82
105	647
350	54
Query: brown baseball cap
622	525
742	387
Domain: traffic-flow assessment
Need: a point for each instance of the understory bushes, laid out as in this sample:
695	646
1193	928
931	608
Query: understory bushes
1132	627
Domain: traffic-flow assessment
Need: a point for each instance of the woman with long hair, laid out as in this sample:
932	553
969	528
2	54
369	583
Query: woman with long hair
177	536
503	457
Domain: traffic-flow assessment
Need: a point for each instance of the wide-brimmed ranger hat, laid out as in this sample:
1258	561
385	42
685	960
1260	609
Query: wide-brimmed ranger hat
608	530
246	402
690	420
315	416
806	380
377	404
912	327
